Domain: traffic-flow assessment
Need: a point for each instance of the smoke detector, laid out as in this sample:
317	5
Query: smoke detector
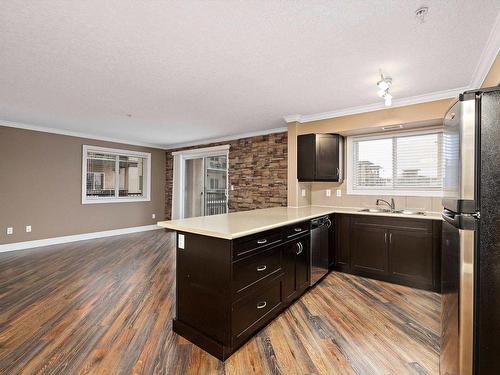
421	13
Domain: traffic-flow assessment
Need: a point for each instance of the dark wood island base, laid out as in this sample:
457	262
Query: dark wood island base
227	290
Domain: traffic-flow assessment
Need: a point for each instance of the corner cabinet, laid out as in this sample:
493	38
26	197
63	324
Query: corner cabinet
320	157
399	250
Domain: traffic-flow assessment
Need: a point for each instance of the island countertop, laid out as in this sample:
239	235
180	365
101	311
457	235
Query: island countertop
238	224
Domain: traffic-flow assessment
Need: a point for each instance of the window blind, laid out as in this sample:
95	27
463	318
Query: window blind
399	163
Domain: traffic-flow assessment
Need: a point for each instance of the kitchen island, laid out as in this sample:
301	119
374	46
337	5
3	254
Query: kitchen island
236	272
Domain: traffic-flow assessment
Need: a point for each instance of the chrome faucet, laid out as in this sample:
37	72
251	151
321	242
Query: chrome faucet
392	205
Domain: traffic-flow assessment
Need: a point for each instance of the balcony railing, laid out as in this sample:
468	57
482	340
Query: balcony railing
215	203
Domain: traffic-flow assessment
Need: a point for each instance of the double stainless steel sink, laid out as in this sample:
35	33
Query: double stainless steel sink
401	212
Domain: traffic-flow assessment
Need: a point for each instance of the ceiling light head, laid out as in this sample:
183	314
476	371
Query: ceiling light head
388	99
384	83
421	13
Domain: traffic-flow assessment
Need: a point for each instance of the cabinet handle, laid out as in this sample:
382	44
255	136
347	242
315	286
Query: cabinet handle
261	305
385	237
390	237
261	242
261	268
300	246
298	229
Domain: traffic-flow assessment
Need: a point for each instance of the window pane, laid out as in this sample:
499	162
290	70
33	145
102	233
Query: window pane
131	176
373	163
398	163
417	162
100	175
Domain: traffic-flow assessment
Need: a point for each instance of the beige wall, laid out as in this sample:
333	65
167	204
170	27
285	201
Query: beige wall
493	76
431	112
40	185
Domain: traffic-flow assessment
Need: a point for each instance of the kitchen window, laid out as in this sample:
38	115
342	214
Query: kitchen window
112	175
405	163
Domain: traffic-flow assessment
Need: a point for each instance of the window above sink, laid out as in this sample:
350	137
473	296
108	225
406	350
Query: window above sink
396	164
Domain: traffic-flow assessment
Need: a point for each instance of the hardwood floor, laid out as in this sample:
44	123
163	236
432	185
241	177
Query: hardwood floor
106	306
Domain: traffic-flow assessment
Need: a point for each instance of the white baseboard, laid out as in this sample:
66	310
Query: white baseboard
73	238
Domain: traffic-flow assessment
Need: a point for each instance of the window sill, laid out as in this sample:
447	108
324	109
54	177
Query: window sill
115	200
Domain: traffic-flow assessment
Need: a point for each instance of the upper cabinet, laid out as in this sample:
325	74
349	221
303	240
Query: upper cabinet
320	157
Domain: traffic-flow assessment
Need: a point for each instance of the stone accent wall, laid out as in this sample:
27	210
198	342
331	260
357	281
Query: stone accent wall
257	170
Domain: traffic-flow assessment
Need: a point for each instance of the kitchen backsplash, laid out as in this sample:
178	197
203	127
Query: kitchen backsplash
316	195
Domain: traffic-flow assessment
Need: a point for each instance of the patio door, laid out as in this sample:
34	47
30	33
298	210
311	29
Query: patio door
204	185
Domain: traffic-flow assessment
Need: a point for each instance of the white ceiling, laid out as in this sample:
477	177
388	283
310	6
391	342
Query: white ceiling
194	70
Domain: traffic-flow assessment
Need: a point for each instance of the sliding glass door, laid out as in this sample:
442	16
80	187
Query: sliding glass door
205	186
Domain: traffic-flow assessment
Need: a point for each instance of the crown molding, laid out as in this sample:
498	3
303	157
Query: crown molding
70	133
488	56
226	138
417	99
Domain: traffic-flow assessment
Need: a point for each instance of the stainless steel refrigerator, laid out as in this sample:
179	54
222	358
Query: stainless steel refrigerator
470	264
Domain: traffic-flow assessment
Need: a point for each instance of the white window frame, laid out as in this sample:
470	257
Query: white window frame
116	199
382	191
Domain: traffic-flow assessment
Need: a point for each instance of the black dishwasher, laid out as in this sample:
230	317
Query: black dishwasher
320	229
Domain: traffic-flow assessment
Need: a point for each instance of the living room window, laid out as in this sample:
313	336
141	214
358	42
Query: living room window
405	163
112	175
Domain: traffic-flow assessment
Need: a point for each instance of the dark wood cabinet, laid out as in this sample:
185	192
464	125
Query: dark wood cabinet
400	250
369	249
296	268
341	253
229	289
320	157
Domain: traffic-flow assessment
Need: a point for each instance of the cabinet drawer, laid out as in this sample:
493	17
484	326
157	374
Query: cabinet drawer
246	245
297	229
251	270
250	313
389	222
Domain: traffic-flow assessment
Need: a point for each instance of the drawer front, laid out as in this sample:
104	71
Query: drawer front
393	222
251	313
295	230
246	245
249	271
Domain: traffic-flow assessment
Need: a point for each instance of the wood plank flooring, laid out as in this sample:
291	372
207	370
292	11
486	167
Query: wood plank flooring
105	307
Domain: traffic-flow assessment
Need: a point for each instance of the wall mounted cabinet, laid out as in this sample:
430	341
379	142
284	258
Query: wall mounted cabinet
320	157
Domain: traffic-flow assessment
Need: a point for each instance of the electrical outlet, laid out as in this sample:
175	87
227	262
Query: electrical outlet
303	192
339	193
10	230
153	216
328	192
180	241
232	187
28	228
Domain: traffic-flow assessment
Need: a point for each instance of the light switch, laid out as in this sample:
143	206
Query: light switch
180	241
153	216
339	193
328	192
303	192
10	230
28	228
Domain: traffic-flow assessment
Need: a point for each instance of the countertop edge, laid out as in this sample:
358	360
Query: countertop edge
328	210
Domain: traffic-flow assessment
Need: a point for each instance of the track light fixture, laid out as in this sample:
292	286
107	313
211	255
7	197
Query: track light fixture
384	86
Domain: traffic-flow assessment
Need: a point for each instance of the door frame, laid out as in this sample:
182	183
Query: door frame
179	174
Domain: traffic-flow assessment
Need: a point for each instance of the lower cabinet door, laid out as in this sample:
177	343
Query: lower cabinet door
369	249
296	268
302	260
411	257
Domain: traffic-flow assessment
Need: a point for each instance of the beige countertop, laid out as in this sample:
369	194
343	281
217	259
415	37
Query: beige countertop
244	223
